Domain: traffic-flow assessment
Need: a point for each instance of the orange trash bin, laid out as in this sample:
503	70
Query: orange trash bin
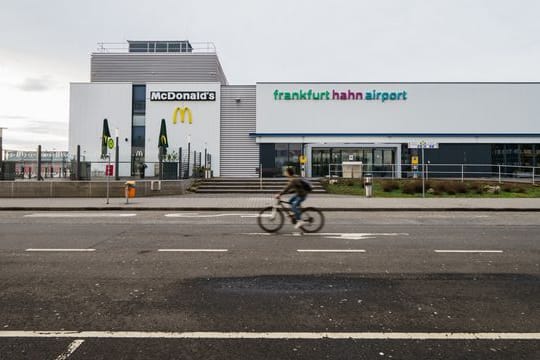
129	190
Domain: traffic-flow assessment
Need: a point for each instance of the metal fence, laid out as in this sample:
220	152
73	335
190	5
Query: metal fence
498	172
183	164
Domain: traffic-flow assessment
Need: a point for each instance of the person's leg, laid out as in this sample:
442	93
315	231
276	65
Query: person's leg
295	206
299	201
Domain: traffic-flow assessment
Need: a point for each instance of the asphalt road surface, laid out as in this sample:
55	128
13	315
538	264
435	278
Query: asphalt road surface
157	285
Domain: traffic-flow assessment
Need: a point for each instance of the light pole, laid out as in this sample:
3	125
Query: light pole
188	153
423	145
116	157
52	163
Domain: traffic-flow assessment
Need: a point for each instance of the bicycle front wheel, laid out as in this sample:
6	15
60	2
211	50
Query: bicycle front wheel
270	219
313	218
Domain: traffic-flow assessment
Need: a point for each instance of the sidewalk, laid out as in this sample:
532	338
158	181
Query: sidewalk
255	202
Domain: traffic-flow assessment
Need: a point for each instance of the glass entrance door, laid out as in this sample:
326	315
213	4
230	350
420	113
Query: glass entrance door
327	161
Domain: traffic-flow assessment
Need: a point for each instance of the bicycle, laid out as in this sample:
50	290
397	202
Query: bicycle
272	218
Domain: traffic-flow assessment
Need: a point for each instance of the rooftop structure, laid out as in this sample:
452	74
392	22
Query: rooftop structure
156	46
147	61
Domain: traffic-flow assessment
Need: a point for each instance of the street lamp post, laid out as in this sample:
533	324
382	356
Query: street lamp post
117	157
52	163
188	153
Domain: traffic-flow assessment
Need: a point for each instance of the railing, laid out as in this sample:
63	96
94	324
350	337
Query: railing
196	47
498	172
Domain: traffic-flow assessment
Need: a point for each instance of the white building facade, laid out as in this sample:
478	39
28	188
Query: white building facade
272	125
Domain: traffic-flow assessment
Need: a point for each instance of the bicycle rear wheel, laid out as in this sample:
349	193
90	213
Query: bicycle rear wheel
270	219
314	219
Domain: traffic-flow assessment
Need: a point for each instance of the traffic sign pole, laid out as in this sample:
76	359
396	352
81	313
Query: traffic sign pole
423	174
108	176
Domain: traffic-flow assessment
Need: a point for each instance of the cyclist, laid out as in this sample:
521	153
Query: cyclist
296	186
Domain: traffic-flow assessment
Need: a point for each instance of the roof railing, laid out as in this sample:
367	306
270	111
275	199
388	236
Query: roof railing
157	46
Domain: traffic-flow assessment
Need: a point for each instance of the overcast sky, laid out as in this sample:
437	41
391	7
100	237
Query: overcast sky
45	45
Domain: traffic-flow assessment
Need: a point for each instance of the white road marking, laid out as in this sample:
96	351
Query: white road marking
77	215
77	250
342	236
70	350
358	236
468	251
274	335
332	250
197	215
193	250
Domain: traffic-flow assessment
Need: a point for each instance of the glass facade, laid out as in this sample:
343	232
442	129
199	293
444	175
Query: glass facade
159	46
327	161
287	155
516	155
138	128
449	160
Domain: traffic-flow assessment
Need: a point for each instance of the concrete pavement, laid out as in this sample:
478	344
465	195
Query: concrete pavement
253	202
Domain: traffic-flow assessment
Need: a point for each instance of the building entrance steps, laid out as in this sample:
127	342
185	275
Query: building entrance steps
247	185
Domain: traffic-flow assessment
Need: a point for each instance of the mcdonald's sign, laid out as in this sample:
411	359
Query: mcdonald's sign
182	111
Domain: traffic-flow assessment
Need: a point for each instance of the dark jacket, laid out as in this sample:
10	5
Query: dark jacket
294	186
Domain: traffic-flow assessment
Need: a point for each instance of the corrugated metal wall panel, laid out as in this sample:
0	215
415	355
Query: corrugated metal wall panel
239	151
143	68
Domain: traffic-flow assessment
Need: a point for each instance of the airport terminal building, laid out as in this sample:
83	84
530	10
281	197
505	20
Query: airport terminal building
137	85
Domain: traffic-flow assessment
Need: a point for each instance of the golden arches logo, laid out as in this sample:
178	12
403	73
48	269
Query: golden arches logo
182	110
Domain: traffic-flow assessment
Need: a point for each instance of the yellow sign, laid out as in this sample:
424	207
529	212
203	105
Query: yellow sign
182	110
302	159
414	160
110	143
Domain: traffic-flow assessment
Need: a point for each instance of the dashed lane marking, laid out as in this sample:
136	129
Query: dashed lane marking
198	215
331	250
70	350
342	236
77	215
275	335
469	251
66	250
193	250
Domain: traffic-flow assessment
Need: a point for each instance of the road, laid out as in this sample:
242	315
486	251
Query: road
158	285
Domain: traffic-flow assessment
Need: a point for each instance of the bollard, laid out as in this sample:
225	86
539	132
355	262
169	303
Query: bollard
368	185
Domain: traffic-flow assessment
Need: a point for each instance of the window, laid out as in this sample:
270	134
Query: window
139	120
137	137
161	47
281	155
139	99
139	92
174	47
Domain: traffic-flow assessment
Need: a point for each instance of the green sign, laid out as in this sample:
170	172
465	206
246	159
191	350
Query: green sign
110	143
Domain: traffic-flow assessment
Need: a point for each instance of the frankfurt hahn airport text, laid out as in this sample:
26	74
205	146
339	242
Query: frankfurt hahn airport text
381	96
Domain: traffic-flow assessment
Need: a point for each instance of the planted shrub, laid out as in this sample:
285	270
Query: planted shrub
389	186
440	187
350	182
506	188
412	187
474	187
461	188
